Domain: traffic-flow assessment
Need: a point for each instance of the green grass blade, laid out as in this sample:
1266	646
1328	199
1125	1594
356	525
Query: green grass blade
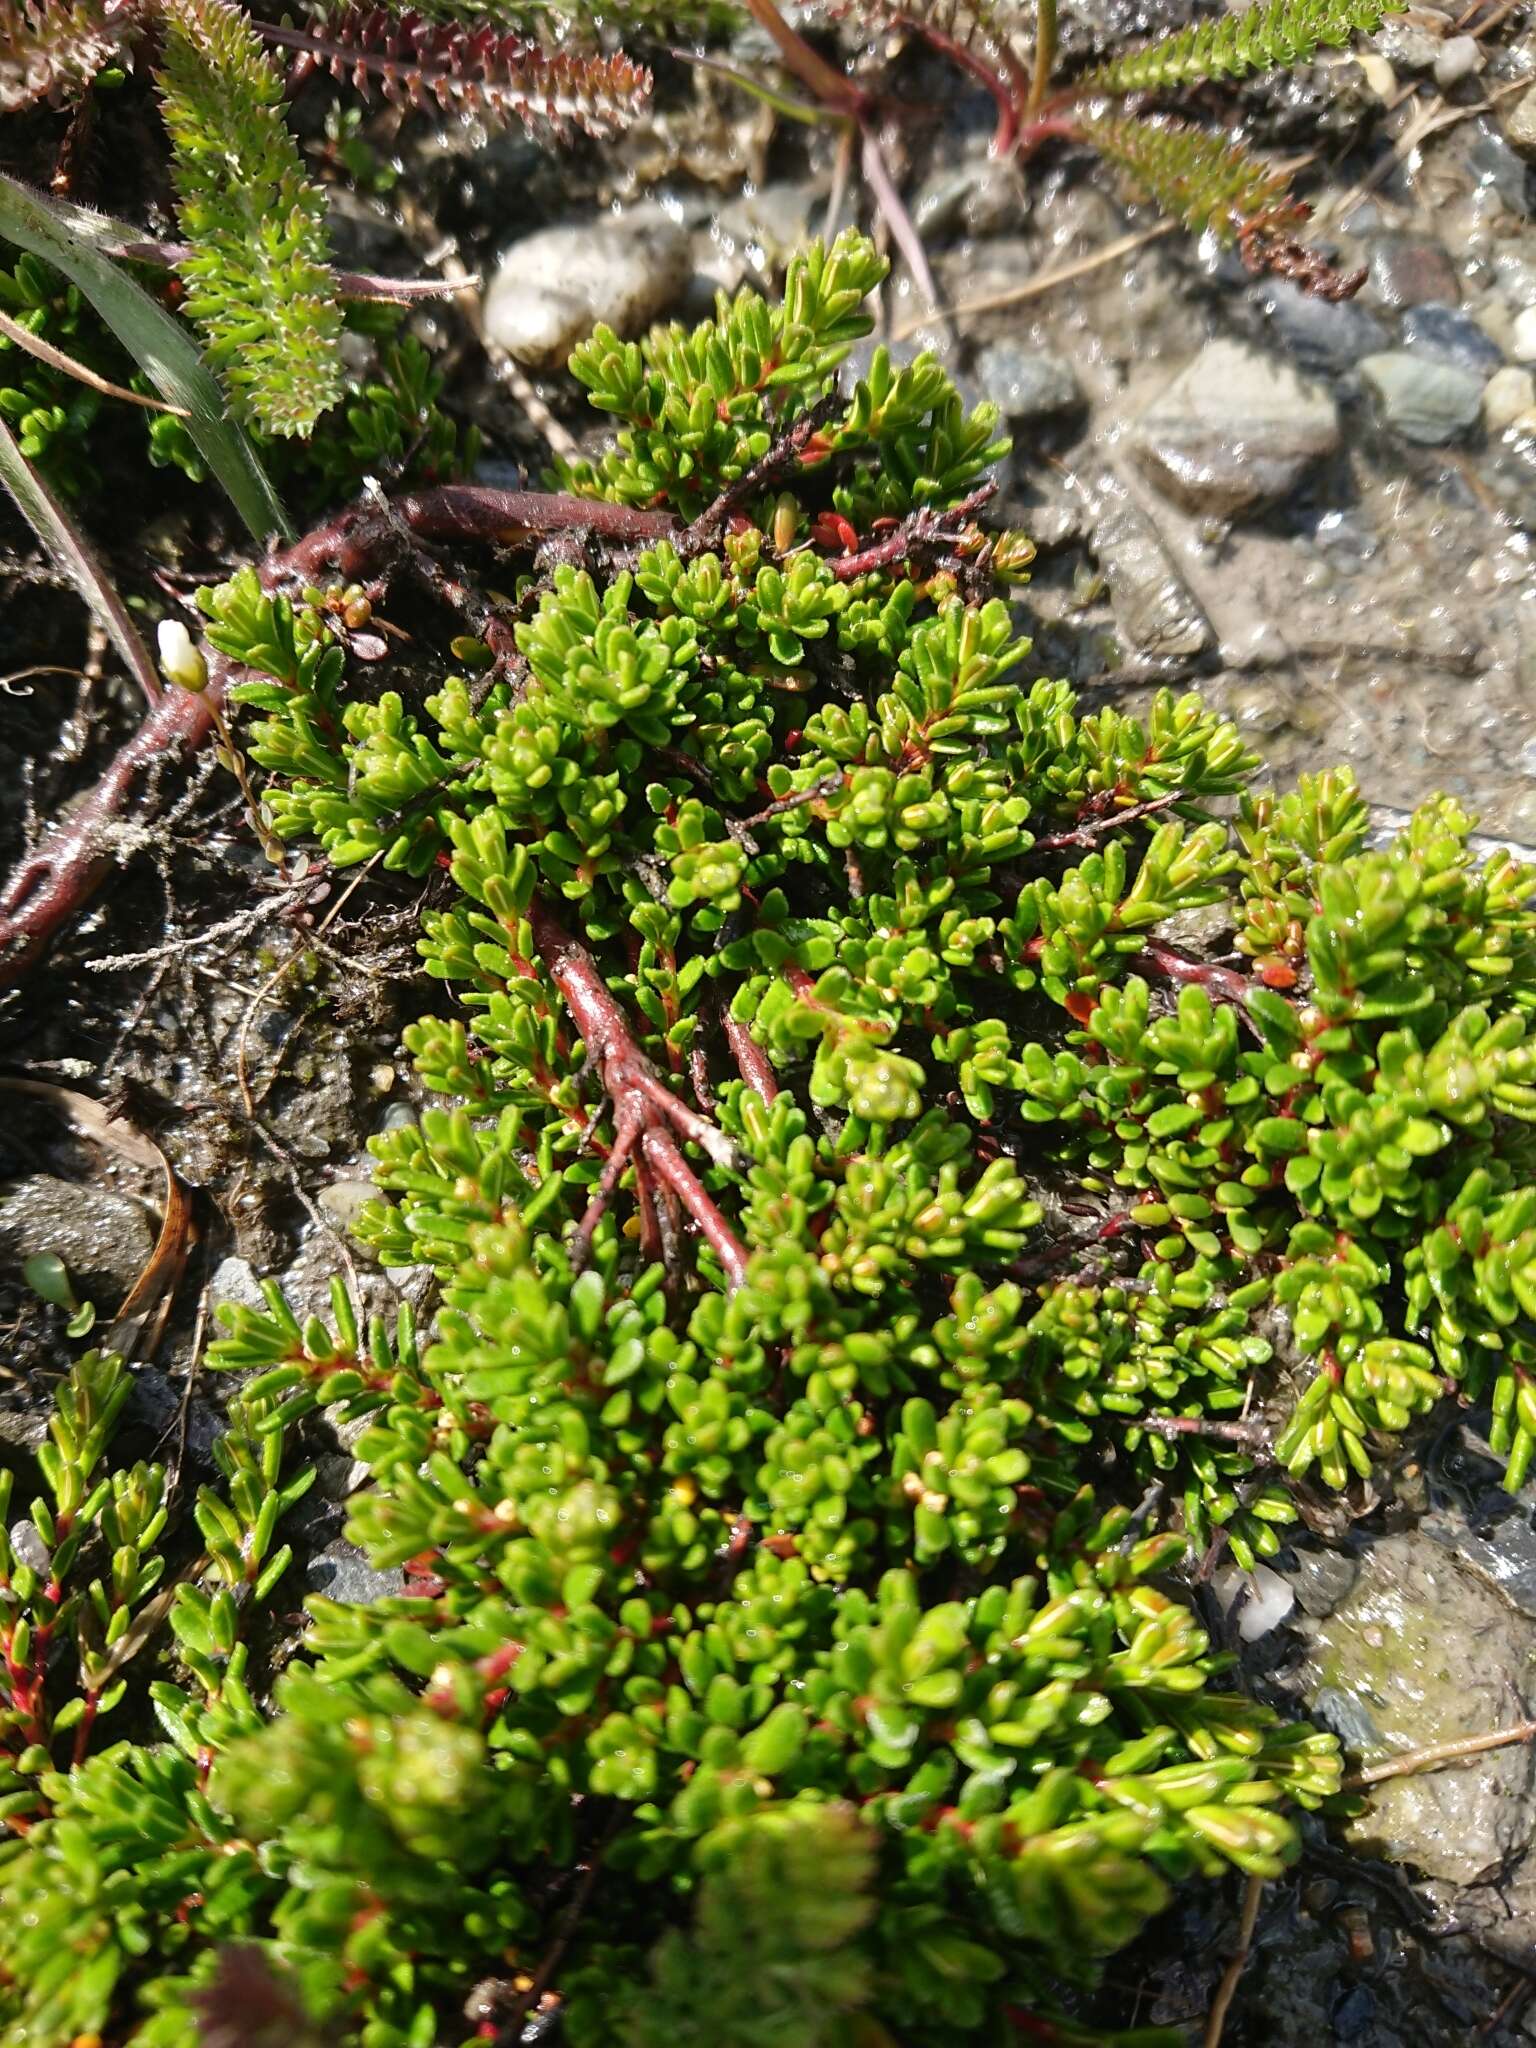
72	240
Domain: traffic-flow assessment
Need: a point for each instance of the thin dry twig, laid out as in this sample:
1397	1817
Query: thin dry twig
1431	119
1035	287
1226	1990
56	359
1440	1753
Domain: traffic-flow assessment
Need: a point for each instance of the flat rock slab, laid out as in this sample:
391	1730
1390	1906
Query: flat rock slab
554	288
1234	431
1420	1651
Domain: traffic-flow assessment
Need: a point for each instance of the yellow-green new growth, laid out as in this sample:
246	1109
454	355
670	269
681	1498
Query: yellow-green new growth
257	275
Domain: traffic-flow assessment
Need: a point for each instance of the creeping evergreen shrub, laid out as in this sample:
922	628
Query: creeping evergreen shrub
864	1222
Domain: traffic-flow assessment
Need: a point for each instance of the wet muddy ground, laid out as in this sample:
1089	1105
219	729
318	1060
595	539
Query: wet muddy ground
1322	515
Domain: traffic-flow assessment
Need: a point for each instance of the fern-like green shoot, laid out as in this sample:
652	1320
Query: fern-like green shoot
258	285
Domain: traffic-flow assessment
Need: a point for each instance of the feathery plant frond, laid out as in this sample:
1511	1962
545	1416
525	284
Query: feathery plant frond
1214	185
52	47
1209	182
419	56
258	282
1271	36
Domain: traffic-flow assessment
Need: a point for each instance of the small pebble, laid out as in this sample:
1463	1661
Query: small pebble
1028	384
1460	57
1411	270
344	1200
1410	45
1520	124
1511	392
1426	402
1269	1601
1235	430
553	288
1378	74
1451	336
1522	336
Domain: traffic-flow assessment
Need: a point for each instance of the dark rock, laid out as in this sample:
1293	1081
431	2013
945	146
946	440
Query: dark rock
104	1240
1322	1578
1322	334
1447	335
1355	2011
1410	270
1235	430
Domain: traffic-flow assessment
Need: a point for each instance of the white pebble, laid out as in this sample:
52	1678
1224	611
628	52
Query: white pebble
1522	336
1270	1600
1460	57
1510	392
555	287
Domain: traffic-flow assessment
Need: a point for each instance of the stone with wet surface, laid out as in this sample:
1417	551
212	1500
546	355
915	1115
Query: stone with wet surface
1235	431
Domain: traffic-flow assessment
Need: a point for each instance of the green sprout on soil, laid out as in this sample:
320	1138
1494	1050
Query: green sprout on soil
876	1245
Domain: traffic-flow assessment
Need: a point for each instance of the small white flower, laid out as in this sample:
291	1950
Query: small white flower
181	659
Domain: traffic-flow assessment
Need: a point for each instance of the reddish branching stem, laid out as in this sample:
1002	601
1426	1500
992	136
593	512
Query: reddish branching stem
752	1063
1092	825
648	1119
1253	1435
52	884
363	539
1225	983
927	539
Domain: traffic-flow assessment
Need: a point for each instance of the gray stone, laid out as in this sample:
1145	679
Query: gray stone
1448	335
1421	1652
1502	1555
1323	334
234	1281
555	287
1322	1578
1153	607
1407	45
341	1572
978	198
1424	401
1520	124
104	1239
1410	270
1459	57
1236	430
1517	278
767	224
1028	384
1495	165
